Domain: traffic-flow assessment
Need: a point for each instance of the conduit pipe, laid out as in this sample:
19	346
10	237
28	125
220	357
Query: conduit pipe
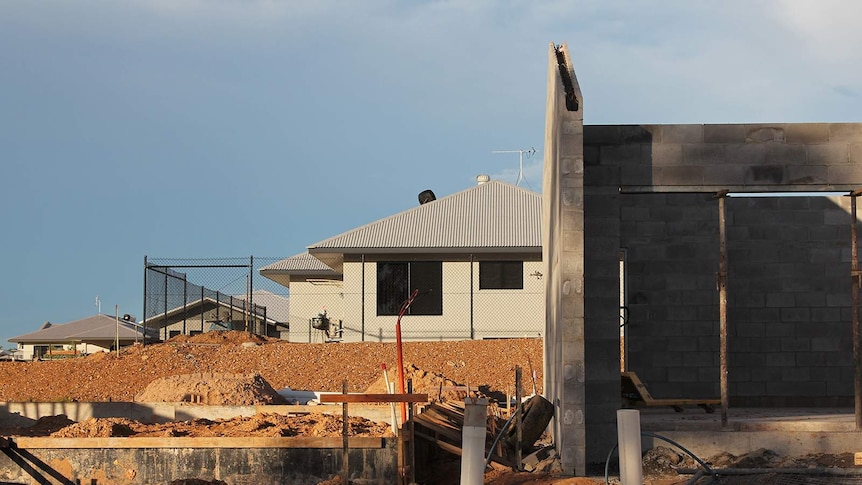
473	441
629	439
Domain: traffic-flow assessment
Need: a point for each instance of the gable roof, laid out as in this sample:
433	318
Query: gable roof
490	217
95	329
303	264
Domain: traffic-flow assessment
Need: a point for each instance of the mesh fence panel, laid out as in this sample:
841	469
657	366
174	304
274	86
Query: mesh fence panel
190	296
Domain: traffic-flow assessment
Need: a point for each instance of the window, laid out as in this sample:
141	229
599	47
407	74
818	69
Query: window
501	275
396	280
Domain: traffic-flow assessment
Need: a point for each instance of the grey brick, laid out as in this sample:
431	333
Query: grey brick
855	153
807	174
795	315
828	153
792	344
682	134
724	133
784	154
795	374
851	132
666	154
746	154
764	133
849	175
807	133
626	155
703	154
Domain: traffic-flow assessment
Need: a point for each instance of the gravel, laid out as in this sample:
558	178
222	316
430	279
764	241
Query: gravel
101	377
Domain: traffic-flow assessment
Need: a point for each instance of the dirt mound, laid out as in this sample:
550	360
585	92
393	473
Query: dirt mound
101	377
213	389
269	425
437	386
97	428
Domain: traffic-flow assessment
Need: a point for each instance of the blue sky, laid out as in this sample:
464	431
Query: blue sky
183	128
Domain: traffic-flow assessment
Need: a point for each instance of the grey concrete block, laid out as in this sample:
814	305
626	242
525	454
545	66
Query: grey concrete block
725	174
796	374
602	135
745	154
640	134
828	153
680	175
785	154
666	154
764	175
780	330
850	132
765	133
811	359
780	359
703	154
793	344
765	374
807	174
780	388
724	133
630	155
848	176
794	314
807	133
826	344
682	134
750	388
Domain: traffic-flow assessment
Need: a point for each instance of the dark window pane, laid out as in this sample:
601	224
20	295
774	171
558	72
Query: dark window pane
392	279
501	275
427	277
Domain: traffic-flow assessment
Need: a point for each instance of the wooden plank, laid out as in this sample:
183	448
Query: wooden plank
373	397
187	442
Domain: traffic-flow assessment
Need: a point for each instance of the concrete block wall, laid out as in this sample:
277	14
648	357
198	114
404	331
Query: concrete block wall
672	252
789	331
788	305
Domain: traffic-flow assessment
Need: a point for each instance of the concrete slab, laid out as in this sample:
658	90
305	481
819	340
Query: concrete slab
786	431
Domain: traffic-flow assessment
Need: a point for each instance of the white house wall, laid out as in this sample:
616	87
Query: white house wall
496	313
307	300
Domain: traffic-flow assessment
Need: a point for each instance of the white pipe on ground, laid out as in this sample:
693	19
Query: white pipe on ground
473	441
629	439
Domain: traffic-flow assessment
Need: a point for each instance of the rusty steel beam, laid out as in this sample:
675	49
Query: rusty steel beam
854	294
721	283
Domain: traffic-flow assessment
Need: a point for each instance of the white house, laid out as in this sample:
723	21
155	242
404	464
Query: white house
474	256
98	333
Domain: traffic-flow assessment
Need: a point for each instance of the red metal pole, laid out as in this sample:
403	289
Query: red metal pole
401	313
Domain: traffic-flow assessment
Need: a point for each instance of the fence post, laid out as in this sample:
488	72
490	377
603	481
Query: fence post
146	270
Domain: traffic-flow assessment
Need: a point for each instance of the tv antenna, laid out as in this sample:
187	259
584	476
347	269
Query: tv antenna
520	153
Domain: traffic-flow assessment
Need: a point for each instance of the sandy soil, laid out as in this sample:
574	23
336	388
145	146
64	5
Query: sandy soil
239	368
487	364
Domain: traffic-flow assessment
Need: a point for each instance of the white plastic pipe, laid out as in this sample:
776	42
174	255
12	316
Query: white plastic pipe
629	438
473	441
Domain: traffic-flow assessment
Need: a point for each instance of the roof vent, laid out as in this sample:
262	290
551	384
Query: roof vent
482	179
426	196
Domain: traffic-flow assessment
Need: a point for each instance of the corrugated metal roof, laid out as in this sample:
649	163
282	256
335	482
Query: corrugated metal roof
96	328
300	263
493	215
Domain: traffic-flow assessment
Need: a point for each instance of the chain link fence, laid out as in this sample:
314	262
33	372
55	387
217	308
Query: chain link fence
186	296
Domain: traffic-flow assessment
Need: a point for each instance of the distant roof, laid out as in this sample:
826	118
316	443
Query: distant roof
492	216
299	265
98	328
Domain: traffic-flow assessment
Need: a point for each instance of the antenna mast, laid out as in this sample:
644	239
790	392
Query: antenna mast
520	153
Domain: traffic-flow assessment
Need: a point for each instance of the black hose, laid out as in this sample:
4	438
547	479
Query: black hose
653	435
